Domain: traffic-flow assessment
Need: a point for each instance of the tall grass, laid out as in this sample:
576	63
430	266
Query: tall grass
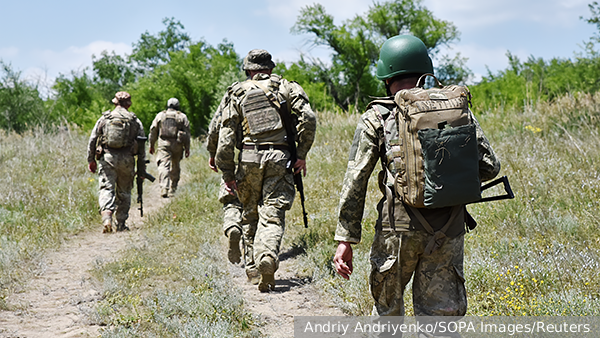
539	253
46	195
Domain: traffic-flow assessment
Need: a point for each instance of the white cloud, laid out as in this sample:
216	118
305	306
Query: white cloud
76	58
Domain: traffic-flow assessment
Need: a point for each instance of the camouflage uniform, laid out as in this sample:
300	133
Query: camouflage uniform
116	169
170	148
398	251
232	208
265	185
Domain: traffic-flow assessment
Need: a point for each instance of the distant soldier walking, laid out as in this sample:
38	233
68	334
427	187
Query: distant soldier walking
113	143
232	207
172	130
253	115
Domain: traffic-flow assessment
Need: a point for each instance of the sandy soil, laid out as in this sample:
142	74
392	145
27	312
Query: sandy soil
292	296
57	302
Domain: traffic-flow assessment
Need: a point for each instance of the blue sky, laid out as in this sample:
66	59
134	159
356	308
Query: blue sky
44	38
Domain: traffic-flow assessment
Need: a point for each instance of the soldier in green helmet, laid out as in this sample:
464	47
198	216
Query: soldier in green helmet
398	252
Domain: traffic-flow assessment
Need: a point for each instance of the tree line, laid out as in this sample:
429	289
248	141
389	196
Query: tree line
170	64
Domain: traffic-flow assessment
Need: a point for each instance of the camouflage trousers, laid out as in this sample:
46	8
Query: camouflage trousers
168	157
116	172
266	191
438	282
232	210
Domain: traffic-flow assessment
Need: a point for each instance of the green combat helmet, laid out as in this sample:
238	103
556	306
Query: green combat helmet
403	54
258	59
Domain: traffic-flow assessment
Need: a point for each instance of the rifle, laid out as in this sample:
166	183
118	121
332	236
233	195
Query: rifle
291	140
509	193
141	174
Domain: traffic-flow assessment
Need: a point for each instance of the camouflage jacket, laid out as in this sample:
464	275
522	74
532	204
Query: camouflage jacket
96	135
183	126
212	138
232	120
366	150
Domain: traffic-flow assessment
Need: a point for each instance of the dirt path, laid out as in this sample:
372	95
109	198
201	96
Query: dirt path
58	300
292	296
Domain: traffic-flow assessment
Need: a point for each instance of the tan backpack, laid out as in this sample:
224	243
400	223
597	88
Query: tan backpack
431	147
169	125
118	128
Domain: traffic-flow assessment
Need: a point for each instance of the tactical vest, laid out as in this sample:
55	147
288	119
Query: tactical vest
170	125
259	103
119	129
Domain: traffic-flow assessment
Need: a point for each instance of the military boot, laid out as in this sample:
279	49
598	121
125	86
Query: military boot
106	222
121	226
234	254
164	193
253	276
266	267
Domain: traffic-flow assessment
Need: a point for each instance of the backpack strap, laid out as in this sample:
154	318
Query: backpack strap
439	237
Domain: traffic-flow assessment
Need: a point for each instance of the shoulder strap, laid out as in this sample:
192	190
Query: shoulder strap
381	101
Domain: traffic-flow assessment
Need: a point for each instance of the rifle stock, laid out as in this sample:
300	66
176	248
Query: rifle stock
509	193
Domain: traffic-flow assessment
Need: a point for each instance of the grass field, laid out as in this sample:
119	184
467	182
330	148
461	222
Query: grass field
46	195
537	254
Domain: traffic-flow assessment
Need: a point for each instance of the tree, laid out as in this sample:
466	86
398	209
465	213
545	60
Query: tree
20	104
355	44
193	76
79	99
111	72
353	51
153	50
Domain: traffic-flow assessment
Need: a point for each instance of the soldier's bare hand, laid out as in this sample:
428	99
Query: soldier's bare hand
300	165
343	259
92	166
212	165
187	153
151	150
231	187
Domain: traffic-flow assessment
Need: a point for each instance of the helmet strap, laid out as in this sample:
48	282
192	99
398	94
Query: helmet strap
387	88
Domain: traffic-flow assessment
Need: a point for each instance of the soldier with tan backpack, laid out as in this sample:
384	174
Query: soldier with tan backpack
113	143
434	156
171	129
